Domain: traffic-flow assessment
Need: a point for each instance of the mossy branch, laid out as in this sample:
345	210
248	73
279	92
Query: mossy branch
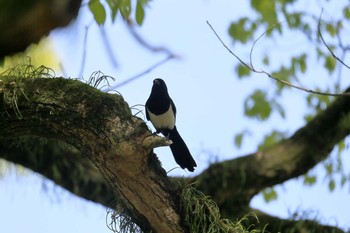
101	127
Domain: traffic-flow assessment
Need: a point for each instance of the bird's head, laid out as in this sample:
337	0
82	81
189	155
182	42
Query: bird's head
159	85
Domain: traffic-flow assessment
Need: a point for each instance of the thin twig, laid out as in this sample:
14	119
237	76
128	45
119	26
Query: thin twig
108	46
327	46
82	66
139	75
144	43
253	46
269	75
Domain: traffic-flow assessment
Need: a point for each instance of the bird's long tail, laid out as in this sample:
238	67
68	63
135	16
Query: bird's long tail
180	151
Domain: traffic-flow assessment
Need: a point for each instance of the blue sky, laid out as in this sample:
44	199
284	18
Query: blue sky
209	99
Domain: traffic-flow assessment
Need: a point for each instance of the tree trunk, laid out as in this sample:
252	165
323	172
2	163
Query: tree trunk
102	128
80	122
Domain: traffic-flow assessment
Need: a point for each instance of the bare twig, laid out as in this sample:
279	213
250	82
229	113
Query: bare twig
250	67
256	41
144	43
152	48
82	66
118	85
327	46
108	47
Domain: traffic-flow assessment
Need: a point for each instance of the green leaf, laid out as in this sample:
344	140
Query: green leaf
283	74
242	70
309	180
239	138
293	19
331	29
277	106
125	8
242	30
329	168
302	63
114	6
346	13
271	139
343	180
98	11
330	63
299	63
331	185
266	8
266	60
140	13
269	194
257	106
341	147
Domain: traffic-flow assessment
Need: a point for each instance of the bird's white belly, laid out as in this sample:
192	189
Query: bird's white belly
163	121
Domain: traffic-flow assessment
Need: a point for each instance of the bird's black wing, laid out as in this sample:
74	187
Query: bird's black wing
147	114
173	106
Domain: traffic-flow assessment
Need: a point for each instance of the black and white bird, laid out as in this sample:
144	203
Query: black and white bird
161	111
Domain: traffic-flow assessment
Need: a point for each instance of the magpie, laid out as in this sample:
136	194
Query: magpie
161	111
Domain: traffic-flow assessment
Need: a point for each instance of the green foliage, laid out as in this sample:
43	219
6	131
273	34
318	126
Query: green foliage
318	102
335	174
266	9
140	13
346	13
269	194
309	180
124	7
285	22
242	30
257	106
271	139
331	185
98	11
239	138
330	63
242	70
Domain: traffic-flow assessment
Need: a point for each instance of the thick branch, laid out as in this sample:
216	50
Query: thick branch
68	111
60	162
275	224
102	128
25	22
229	181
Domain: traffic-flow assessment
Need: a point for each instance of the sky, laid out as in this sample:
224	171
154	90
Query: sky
209	101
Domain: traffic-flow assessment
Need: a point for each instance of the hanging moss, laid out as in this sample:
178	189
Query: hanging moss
203	215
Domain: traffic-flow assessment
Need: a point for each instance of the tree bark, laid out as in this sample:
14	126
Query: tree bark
246	176
26	22
102	128
81	121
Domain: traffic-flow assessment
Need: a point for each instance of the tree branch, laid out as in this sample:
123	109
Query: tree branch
327	46
102	128
59	162
234	182
274	224
227	182
22	24
251	67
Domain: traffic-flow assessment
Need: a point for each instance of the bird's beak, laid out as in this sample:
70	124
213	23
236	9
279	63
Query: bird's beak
156	82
